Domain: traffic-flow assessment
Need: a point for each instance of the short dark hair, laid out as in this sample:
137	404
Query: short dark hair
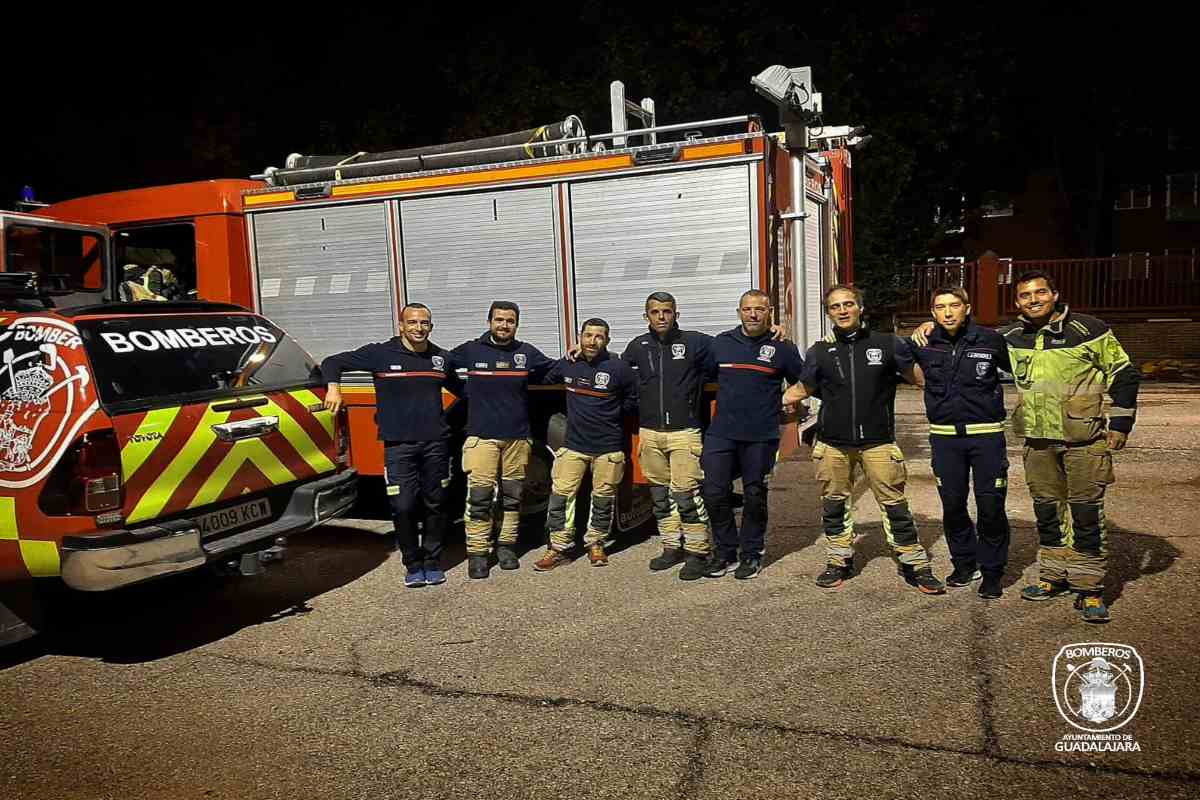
957	291
1033	275
842	287
504	305
660	297
422	306
753	293
594	322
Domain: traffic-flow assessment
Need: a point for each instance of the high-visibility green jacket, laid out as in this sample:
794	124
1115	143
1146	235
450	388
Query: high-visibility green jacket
1062	371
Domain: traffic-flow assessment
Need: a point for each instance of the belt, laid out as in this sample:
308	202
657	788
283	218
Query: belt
970	429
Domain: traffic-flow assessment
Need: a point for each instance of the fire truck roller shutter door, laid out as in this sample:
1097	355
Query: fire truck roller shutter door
320	267
691	232
463	251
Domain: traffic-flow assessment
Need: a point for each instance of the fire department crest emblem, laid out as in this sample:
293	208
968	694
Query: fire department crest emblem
874	356
438	362
1098	686
766	352
981	368
678	351
602	379
520	360
45	397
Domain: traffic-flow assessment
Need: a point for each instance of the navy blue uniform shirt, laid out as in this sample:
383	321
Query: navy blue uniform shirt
599	393
750	374
498	376
408	387
962	383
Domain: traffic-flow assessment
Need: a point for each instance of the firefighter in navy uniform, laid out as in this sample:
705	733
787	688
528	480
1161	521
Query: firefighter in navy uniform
854	372
409	373
744	436
965	406
499	371
601	389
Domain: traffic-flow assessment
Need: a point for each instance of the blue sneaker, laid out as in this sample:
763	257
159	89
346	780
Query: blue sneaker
416	578
1092	608
434	574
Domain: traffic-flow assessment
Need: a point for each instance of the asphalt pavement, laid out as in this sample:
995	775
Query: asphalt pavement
326	678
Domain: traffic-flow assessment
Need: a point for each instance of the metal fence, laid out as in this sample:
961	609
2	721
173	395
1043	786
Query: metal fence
1130	284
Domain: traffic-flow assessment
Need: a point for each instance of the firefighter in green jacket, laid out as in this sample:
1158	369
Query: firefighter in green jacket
1063	363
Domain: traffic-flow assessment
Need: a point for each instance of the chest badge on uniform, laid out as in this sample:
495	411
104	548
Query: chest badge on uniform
766	352
874	356
981	368
438	362
396	368
602	380
519	359
678	351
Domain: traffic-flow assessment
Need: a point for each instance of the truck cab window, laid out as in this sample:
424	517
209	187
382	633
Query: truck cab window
156	262
76	256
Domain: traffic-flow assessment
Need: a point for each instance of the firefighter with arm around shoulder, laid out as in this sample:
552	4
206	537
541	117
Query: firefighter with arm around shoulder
409	373
855	372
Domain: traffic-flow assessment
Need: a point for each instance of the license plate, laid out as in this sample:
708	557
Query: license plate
235	517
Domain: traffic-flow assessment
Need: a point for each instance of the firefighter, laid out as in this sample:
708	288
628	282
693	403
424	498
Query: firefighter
744	436
409	373
1063	362
965	406
499	371
854	371
669	363
601	389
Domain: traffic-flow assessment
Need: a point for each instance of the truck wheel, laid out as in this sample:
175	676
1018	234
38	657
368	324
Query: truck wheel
21	612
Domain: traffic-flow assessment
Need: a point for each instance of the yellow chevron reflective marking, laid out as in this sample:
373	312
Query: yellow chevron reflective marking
252	450
307	398
298	438
8	519
140	446
41	558
155	499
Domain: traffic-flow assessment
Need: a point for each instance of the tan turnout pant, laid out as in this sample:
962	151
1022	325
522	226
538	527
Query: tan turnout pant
486	462
570	467
670	460
887	474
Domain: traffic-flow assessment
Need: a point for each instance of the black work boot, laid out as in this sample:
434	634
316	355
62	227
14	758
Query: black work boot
506	556
989	587
669	558
694	567
834	575
477	566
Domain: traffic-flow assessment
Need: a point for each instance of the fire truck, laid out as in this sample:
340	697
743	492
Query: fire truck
570	225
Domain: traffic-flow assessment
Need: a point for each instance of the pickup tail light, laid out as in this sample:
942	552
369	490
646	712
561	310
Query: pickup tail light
88	478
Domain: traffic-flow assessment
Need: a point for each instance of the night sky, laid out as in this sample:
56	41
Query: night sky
960	98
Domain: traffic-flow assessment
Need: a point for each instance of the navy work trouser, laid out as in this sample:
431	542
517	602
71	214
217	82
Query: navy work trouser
722	460
417	474
955	460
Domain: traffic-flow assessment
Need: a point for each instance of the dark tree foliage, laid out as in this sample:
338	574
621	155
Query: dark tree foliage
959	98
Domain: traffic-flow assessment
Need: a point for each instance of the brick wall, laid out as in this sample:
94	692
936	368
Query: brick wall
1151	340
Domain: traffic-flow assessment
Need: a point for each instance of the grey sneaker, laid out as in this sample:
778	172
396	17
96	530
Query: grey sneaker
747	569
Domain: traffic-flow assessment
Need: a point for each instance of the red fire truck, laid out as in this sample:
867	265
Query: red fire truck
569	225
